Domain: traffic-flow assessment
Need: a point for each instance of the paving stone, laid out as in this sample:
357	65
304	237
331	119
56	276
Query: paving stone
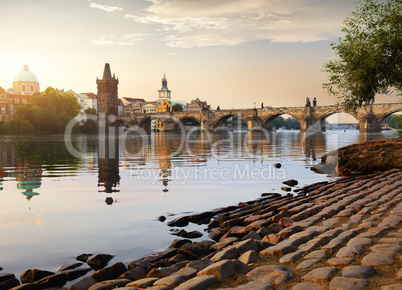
171	281
340	261
285	233
307	286
291	257
282	248
252	235
395	235
392	287
227	253
391	220
187	272
349	251
249	257
320	274
355	219
342	283
346	212
377	259
331	222
221	269
198	283
388	249
273	274
307	264
304	235
357	271
318	254
142	283
308	222
360	242
254	285
273	239
399	274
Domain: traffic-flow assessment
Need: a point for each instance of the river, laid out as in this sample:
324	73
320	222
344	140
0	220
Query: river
56	205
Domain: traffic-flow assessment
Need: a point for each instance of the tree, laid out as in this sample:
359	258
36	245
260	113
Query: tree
369	55
49	111
177	108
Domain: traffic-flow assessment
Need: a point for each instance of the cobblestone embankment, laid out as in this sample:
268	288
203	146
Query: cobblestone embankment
345	234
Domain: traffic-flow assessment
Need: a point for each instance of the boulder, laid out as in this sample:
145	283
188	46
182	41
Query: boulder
53	281
291	182
198	283
179	222
69	266
83	284
221	269
99	261
273	274
134	274
75	273
83	257
109	284
6	276
33	275
10	283
110	273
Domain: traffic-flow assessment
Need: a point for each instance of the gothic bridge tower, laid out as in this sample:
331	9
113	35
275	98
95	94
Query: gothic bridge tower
107	93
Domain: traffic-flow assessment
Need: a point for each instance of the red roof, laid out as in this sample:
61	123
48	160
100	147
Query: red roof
153	103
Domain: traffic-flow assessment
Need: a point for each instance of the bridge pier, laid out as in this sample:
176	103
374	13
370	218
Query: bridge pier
369	123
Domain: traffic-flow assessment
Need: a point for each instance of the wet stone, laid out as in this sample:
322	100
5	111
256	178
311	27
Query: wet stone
356	271
307	264
6	276
377	259
388	249
320	274
342	283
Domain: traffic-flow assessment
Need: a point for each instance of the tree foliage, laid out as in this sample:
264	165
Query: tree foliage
49	111
177	108
369	54
288	123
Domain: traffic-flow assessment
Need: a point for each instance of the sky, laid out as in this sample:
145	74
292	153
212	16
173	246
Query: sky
231	53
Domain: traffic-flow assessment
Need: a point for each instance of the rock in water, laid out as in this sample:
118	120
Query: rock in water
179	222
83	257
33	275
69	266
161	218
277	165
291	182
99	261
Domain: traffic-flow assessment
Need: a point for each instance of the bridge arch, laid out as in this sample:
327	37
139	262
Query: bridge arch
385	115
268	119
221	119
187	121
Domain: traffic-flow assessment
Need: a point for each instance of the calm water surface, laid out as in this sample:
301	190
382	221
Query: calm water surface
55	206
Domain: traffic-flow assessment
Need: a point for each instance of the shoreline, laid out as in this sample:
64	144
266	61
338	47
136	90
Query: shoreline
271	230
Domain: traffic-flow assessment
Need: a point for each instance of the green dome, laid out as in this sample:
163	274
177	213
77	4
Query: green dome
26	76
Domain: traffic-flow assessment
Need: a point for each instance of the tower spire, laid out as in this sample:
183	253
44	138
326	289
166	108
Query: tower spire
107	75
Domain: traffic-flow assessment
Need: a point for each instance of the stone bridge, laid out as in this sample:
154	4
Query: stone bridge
369	117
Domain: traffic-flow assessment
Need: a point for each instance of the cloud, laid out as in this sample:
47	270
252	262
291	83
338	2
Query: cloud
105	7
127	39
202	23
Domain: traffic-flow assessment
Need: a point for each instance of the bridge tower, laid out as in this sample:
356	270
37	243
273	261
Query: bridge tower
108	101
164	92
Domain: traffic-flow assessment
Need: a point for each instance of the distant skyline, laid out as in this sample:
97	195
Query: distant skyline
234	53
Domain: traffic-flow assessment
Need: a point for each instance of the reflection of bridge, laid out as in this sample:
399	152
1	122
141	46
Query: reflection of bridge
369	117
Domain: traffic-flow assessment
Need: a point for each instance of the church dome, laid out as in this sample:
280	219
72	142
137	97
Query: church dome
26	76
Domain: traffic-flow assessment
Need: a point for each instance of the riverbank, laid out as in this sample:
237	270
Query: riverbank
343	234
